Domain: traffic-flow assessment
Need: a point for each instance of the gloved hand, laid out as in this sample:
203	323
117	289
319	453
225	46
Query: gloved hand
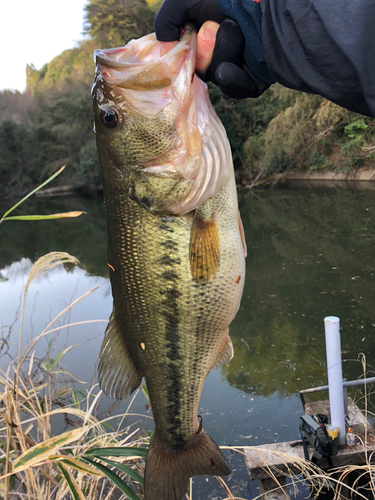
227	69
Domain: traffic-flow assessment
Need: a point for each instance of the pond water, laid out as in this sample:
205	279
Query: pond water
310	255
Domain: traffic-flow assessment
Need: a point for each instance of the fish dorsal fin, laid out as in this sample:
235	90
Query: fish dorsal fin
118	375
204	248
226	352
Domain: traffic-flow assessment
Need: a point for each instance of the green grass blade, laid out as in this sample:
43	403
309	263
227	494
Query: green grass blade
74	394
145	391
32	192
109	426
121	451
46	365
65	215
72	483
121	485
82	466
125	468
61	354
41	452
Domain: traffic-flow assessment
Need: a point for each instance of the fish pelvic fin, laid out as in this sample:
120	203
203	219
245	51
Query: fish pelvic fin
168	469
118	375
204	250
225	353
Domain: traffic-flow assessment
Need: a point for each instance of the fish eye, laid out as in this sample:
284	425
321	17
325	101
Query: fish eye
109	117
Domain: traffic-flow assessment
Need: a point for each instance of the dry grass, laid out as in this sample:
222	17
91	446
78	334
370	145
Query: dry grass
350	481
35	464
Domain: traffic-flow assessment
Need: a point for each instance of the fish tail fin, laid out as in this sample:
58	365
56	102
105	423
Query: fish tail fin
168	469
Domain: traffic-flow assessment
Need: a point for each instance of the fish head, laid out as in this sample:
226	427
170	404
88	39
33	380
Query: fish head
157	134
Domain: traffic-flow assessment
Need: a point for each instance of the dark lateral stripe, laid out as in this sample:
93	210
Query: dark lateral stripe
170	275
167	260
169	244
172	322
166	223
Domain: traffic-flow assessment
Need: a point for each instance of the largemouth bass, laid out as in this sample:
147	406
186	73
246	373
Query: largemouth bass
175	247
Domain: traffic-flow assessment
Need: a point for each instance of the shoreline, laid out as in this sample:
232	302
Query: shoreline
358	179
63	190
364	175
363	179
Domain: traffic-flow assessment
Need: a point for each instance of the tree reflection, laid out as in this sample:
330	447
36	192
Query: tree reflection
84	237
309	257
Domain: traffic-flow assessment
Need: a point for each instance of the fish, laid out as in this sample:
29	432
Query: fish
176	247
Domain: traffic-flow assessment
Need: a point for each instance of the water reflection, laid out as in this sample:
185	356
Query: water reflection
310	255
84	237
46	299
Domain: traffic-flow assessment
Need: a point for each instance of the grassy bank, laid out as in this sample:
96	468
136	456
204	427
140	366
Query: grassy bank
285	129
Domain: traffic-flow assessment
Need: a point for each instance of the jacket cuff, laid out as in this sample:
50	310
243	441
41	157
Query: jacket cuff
248	15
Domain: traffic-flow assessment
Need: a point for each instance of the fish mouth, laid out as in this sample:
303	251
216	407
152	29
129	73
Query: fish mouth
148	80
149	65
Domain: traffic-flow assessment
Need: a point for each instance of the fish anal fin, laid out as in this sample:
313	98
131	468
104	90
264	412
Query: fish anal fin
226	352
242	233
168	469
118	375
204	251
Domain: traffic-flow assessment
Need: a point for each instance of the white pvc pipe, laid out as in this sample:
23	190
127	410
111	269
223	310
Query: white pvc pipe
334	367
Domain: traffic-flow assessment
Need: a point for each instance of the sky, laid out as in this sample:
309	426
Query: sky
34	32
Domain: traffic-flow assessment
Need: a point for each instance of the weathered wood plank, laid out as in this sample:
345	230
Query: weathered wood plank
273	459
280	458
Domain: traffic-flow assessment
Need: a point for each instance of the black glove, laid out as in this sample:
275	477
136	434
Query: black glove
174	14
227	69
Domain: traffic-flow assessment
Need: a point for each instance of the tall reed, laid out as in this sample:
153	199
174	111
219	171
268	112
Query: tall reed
89	461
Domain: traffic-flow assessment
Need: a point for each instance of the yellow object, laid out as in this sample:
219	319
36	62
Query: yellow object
333	434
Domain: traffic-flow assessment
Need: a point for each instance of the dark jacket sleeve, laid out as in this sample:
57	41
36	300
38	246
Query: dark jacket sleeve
324	47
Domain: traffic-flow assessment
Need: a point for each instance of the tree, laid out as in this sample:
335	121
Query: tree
114	22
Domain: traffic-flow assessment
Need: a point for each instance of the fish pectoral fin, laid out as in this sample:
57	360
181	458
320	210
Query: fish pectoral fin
204	252
118	375
226	352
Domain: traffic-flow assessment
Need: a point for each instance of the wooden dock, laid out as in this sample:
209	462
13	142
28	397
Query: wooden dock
270	464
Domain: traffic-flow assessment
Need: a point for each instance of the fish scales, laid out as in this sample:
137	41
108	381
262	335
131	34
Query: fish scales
152	274
175	252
